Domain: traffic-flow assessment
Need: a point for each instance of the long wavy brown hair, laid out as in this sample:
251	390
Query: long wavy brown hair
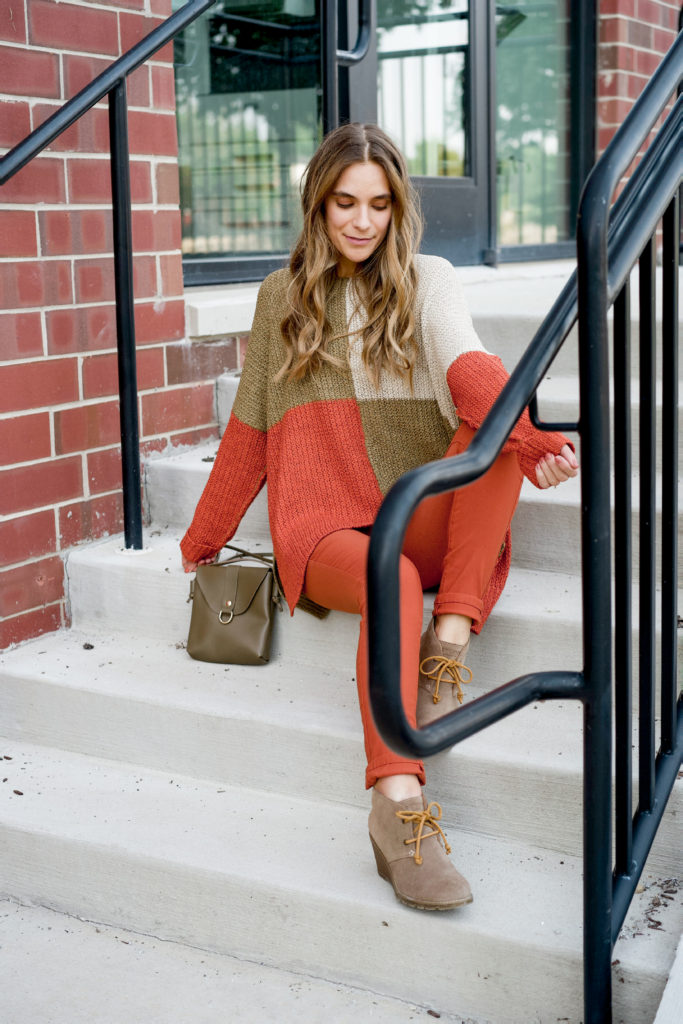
385	282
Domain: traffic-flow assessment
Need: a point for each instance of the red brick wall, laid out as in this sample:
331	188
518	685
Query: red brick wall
60	474
59	452
633	37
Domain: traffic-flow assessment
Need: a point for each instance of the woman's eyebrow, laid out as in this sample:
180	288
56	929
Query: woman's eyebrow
348	195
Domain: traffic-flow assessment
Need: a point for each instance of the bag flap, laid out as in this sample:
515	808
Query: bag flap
230	588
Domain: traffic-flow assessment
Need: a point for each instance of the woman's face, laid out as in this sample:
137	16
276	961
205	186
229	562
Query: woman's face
358	213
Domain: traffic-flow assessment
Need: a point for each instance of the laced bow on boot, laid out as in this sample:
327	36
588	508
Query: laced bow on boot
449	668
424	819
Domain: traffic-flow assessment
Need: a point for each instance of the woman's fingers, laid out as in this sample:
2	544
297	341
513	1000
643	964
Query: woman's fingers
568	455
189	566
552	470
543	475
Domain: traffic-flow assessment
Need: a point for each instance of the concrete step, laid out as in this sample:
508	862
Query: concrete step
559	402
93	974
173	486
536	624
143	594
154	707
241	872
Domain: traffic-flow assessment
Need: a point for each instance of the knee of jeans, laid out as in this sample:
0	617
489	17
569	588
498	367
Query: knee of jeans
409	582
410	587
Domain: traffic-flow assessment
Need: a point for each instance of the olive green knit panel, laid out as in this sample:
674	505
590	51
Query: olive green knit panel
327	384
264	348
401	434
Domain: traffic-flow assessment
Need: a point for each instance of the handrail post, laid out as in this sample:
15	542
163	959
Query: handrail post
597	605
125	315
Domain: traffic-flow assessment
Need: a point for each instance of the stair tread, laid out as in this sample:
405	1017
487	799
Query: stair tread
149	703
284	845
107	975
264	839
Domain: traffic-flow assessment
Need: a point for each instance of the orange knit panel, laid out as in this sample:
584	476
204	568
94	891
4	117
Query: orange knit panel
237	475
319	480
475	380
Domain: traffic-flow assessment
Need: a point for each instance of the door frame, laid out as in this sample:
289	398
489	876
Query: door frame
459	213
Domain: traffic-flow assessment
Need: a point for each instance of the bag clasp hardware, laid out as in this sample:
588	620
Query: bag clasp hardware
222	612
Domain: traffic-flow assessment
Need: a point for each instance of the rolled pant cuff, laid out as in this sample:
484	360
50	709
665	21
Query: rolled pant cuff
381	771
459	604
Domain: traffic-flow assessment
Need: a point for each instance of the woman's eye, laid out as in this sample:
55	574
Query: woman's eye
344	206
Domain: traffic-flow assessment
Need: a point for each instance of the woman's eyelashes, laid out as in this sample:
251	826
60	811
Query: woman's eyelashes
375	206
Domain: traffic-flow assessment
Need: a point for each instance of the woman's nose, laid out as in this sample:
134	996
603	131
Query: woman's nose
362	217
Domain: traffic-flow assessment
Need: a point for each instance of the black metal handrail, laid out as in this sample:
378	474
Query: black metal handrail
112	83
609	243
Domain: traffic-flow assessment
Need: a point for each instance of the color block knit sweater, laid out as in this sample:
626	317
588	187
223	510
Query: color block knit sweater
331	445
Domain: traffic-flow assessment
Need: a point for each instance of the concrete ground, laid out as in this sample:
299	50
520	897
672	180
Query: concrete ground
56	969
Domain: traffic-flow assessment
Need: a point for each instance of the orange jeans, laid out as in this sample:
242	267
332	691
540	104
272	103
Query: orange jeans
453	541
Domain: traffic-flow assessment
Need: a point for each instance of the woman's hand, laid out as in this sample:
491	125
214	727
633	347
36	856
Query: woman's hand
189	566
552	470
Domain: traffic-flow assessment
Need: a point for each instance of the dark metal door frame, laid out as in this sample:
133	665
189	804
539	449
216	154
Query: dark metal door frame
460	213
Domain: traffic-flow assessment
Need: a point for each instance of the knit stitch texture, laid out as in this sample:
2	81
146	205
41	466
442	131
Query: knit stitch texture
332	445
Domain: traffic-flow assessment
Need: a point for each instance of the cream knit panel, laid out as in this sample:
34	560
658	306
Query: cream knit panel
391	387
446	326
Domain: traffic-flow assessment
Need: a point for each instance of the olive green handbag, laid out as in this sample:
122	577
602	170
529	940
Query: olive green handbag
233	607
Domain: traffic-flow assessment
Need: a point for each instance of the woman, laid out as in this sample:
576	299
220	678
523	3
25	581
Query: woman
362	364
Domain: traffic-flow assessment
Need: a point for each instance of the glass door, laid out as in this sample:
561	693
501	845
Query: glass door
484	99
248	114
433	98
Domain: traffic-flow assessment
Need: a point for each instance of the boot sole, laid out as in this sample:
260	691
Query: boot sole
384	871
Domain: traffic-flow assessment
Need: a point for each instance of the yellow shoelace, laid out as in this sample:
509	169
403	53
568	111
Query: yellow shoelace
446	667
423	819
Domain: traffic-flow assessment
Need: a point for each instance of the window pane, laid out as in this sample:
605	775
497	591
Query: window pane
247	85
533	125
423	58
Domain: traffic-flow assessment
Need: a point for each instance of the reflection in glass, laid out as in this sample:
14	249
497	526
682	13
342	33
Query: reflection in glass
247	96
423	58
533	123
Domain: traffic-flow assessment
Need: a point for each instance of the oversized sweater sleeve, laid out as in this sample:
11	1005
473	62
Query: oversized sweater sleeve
239	470
475	380
474	376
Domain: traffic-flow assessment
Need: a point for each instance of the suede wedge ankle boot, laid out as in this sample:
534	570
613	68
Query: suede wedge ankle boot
442	675
412	853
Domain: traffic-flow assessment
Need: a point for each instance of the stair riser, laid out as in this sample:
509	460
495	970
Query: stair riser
525	803
334	938
509	337
173	491
547	535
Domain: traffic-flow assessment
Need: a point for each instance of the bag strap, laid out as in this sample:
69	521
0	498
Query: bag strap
267	557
